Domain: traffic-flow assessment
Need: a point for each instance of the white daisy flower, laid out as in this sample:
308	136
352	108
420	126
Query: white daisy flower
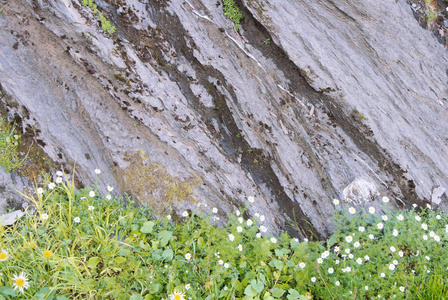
438	217
262	218
400	253
336	262
320	260
188	256
380	225
424	226
347	251
336	202
91	207
59	180
425	237
418	218
382	275
187	286
400	217
185	214
76	220
110	188
4	255
359	261
97	171
231	237
401	288
220	262
263	229
313	279
391	267
330	270
384	217
251	199
214	210
273	240
385	199
349	239
91	194
20	282
258	235
59	173
371	209
302	265
367	257
371	236
168	217
241	220
337	283
336	249
392	248
40	191
51	185
239	229
108	197
44	217
356	244
226	265
176	295
249	222
395	262
352	210
395	232
240	247
361	229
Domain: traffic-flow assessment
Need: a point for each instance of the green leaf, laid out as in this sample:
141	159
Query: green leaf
154	288
120	260
61	298
293	294
294	245
147	227
7	291
289	263
168	254
144	246
257	285
332	240
250	291
275	263
44	293
164	237
136	297
93	261
277	293
281	252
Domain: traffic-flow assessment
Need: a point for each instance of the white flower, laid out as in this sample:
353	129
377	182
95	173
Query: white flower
400	217
359	261
371	236
251	199
437	238
97	171
313	279
395	262
168	217
20	282
366	288
59	180
336	262
108	197
263	229
44	216
395	232
214	210
385	199
91	194
59	173
351	256
347	251
187	287
356	244
425	237
220	262
380	225
51	185
371	209
367	257
428	206
249	222
325	254
392	248
349	239
427	257
305	240
382	275
302	265
336	201
273	240
91	207
4	255
432	234
239	229
241	220
352	210
185	214
400	253
330	270
257	215
258	235
226	265
217	254
76	220
40	191
262	218
240	247
391	267
348	269
110	188
414	205
231	237
424	226
237	213
384	217
401	288
446	228
188	256
418	218
361	229
337	283
336	249
438	217
320	260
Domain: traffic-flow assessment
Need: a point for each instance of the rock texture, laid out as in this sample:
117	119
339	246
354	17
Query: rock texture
306	99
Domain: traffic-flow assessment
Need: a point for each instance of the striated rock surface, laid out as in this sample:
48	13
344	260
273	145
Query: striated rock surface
307	99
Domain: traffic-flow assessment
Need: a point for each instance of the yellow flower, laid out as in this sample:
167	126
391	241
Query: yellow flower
20	282
177	296
47	254
4	255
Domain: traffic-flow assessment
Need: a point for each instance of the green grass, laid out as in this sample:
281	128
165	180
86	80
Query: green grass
9	145
79	244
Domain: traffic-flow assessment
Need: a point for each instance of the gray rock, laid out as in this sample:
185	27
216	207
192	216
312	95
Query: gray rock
342	91
11	218
437	194
360	190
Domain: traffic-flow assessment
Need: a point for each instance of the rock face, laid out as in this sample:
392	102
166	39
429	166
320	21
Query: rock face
307	98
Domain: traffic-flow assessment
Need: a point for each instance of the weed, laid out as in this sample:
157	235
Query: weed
232	12
9	145
105	24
